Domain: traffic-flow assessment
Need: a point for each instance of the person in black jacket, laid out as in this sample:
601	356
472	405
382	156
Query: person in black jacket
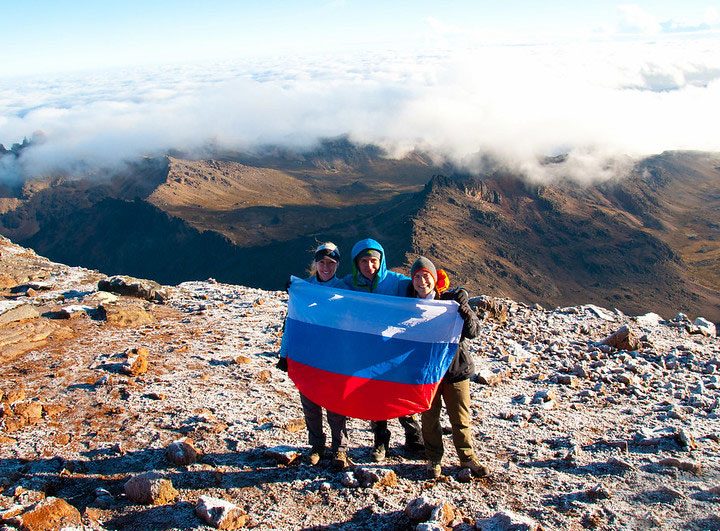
454	388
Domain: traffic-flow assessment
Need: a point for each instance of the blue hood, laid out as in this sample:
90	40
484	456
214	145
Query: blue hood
368	243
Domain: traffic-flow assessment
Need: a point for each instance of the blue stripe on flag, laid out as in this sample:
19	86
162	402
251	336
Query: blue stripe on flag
367	355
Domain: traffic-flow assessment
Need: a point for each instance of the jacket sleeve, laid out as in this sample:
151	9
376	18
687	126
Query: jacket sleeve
471	323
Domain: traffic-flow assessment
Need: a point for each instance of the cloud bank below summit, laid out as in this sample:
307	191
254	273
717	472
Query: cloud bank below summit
601	103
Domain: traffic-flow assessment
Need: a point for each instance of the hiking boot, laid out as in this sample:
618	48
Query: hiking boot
434	469
381	444
340	461
478	469
378	453
316	454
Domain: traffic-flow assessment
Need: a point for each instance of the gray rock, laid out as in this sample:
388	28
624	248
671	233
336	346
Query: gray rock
134	287
219	513
507	521
544	395
283	455
705	326
419	509
349	480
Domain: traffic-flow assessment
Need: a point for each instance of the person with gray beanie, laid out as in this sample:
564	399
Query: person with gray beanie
427	282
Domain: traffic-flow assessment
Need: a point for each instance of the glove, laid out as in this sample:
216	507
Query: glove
461	297
282	364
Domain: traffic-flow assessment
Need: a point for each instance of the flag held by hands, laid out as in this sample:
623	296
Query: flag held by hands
365	355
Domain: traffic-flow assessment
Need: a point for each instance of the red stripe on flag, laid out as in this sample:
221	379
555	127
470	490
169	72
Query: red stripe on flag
360	398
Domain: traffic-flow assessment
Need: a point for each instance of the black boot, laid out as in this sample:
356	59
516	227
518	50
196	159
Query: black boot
381	443
413	436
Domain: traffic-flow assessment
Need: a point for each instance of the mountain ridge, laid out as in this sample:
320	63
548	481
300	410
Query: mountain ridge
651	236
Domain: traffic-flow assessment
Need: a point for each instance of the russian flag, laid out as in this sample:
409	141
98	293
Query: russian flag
365	355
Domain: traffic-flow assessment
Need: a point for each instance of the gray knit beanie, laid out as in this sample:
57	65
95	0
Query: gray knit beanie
423	263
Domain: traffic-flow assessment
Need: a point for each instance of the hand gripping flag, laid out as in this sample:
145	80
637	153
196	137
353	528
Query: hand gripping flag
368	356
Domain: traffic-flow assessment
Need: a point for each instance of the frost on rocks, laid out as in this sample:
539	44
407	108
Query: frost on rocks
220	514
181	452
507	521
150	488
136	361
706	327
283	455
134	287
376	477
50	513
424	509
649	320
640	425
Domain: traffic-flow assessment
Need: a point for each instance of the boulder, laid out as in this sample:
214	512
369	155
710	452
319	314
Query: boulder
150	488
376	477
101	297
134	287
544	396
14	395
13	311
125	315
688	466
30	411
507	521
349	480
136	361
649	320
419	509
50	513
283	455
181	452
567	379
622	339
6	281
490	308
706	327
220	514
490	377
295	425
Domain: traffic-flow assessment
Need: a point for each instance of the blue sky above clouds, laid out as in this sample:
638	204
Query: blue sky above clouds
111	80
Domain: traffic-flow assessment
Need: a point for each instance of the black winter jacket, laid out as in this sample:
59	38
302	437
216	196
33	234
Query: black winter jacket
462	366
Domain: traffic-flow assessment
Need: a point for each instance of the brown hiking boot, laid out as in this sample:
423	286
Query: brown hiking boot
316	454
478	469
340	461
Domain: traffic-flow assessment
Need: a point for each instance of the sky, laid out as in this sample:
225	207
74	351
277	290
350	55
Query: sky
601	81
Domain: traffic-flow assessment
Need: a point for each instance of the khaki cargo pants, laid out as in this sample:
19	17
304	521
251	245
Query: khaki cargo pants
457	402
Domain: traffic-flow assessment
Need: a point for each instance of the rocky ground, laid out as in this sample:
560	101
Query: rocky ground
99	389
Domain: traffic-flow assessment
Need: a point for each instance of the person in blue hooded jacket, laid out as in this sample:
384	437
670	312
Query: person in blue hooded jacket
370	273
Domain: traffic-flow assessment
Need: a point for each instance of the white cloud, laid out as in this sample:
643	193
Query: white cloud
634	19
599	102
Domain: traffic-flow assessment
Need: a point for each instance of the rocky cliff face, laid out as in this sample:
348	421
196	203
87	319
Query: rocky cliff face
648	242
160	407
